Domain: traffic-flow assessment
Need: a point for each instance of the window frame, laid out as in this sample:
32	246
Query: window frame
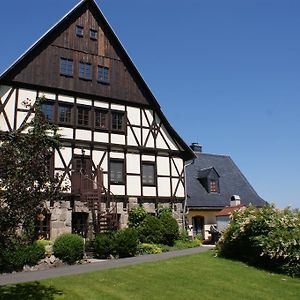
117	161
85	110
69	106
83	75
213	186
79	30
65	70
106	122
122	128
91	32
48	104
103	74
149	163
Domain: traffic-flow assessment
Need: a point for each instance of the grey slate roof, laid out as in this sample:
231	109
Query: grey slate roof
231	182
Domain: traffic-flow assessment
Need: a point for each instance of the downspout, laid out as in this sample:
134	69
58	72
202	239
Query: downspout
185	195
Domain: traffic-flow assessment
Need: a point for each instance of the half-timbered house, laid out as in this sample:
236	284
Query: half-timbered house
118	150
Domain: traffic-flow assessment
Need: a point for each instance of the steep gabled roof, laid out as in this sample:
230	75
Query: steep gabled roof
231	182
8	76
204	172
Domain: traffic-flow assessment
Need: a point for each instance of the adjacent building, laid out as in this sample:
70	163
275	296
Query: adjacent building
118	150
213	183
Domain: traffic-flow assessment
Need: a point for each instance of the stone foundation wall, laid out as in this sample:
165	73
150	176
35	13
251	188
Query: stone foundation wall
61	214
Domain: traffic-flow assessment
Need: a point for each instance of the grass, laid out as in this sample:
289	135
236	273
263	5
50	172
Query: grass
199	276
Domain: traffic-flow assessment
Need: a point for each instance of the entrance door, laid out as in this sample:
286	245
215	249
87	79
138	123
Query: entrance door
82	166
198	225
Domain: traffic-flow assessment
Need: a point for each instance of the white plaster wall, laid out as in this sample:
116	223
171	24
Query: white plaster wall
66	98
3	125
134	115
78	151
163	185
130	138
179	163
117	189
160	143
144	120
27	94
20	118
148	158
169	140
66	132
150	142
117	107
105	180
117	155
85	135
101	137
101	104
84	101
133	185
180	190
47	95
163	165
149	191
118	139
67	155
149	114
133	163
97	156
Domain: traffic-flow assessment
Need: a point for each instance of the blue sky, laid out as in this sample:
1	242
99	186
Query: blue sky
226	73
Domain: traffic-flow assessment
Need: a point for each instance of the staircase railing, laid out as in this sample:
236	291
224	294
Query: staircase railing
100	201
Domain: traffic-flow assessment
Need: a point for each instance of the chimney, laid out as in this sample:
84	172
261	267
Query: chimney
196	147
235	200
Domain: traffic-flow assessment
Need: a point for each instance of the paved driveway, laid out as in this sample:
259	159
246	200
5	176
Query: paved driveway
107	264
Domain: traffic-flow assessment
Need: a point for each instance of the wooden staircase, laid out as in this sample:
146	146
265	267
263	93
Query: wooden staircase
100	202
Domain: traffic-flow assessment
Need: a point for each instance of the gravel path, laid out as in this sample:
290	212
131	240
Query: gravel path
21	277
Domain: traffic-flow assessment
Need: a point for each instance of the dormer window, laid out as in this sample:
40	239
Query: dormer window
213	186
209	179
79	30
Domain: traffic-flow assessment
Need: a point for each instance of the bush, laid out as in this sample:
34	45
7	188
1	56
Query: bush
104	245
148	249
266	237
18	255
126	242
170	231
136	216
179	244
69	247
151	230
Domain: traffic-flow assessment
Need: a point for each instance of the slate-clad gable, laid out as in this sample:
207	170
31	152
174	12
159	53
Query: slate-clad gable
231	182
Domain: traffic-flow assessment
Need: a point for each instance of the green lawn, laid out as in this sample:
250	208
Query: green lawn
200	276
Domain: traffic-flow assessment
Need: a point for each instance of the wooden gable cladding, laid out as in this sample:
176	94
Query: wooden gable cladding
41	67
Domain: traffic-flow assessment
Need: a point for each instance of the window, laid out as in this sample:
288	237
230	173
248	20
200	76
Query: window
65	114
83	116
79	30
213	186
66	67
93	34
117	172
101	119
148	171
85	71
103	74
47	111
117	121
42	225
80	223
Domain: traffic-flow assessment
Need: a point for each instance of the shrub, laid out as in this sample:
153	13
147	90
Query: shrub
151	230
126	242
69	247
104	245
180	244
170	230
136	216
144	248
47	245
18	255
265	237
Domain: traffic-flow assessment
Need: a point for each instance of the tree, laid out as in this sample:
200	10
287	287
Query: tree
25	179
